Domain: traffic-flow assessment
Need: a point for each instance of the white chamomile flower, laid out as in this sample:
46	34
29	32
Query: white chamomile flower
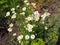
23	13
26	37
8	13
29	18
37	18
13	16
19	41
14	34
20	37
30	30
24	8
11	25
12	9
32	36
25	1
17	6
46	27
36	12
10	29
29	27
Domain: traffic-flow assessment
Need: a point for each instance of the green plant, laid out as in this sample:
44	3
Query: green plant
35	28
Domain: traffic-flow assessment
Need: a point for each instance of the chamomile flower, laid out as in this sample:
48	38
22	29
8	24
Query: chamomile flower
19	41
20	37
29	27
36	13
11	25
32	36
30	30
26	37
10	29
29	18
17	6
12	9
23	13
24	9
46	27
14	34
8	14
13	16
36	18
25	1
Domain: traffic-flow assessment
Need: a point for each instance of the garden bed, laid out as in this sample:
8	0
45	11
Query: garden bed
5	36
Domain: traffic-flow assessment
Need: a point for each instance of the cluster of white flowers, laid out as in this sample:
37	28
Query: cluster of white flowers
24	9
26	2
29	27
10	27
33	4
12	17
14	13
23	13
27	36
46	14
35	16
29	18
20	37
